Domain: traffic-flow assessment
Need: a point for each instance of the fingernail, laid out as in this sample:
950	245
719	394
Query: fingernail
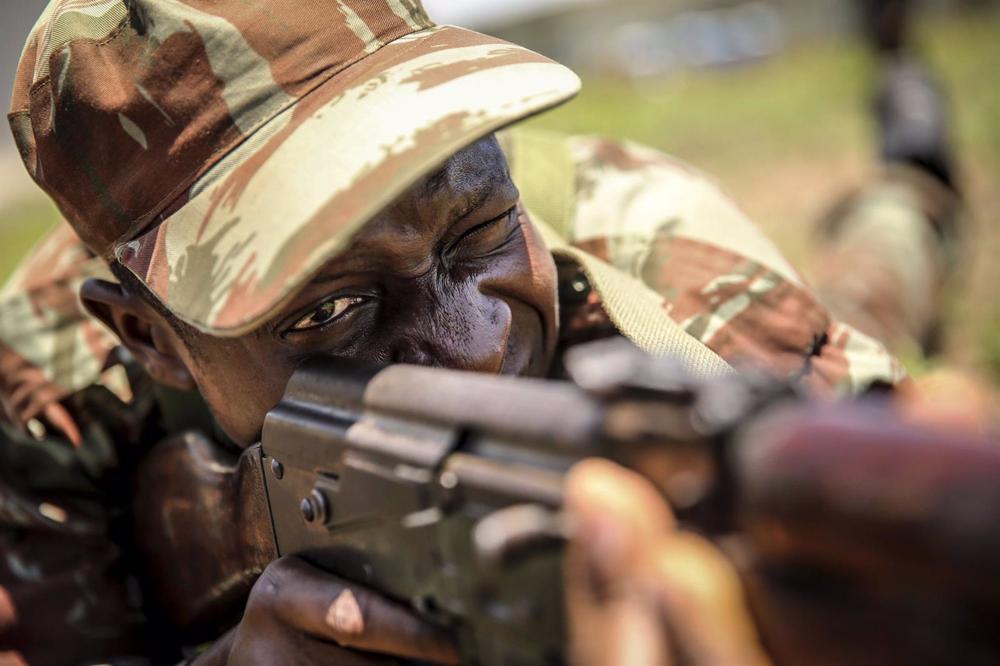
344	615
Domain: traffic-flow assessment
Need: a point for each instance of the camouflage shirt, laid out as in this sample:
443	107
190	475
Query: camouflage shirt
643	243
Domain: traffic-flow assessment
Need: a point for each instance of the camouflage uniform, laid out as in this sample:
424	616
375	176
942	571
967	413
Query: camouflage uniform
686	250
887	256
223	152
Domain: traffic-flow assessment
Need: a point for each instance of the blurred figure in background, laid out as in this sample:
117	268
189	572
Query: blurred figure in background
885	21
890	251
890	248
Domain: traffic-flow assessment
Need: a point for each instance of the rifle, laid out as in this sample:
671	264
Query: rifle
442	489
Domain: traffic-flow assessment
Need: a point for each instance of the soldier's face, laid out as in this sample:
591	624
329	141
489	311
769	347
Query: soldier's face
452	274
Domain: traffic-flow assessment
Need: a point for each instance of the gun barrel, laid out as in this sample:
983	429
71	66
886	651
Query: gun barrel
559	413
846	488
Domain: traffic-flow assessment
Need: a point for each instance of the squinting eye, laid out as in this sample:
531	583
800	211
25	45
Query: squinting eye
487	236
327	312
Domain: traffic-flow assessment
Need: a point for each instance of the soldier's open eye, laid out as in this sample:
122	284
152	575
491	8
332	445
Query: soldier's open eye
326	313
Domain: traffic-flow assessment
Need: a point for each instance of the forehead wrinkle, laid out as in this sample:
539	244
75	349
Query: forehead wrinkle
476	198
468	180
395	248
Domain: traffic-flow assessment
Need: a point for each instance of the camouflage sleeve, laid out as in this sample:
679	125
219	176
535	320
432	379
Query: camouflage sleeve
720	278
50	347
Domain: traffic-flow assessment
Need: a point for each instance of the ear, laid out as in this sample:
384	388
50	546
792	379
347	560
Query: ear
141	329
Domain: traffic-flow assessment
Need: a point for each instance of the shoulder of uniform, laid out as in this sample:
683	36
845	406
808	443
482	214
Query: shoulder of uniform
632	197
50	346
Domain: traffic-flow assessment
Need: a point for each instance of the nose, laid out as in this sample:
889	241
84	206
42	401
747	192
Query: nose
462	334
415	353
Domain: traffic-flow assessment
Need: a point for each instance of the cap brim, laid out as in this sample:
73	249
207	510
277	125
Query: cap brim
309	180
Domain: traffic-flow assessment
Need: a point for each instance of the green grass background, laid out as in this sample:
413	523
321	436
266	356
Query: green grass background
786	138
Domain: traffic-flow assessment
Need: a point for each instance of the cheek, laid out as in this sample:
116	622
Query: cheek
240	385
523	271
543	280
539	260
526	279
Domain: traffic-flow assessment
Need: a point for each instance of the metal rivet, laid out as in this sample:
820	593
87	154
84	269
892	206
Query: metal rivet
277	469
308	510
448	480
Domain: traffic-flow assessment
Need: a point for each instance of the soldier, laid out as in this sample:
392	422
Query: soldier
245	186
890	248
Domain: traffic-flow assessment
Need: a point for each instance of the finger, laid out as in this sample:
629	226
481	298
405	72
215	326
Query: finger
59	418
948	399
606	501
641	591
624	629
217	653
617	625
616	514
12	659
703	602
323	606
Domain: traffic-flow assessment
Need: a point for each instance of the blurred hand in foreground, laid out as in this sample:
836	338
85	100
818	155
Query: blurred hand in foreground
951	400
640	591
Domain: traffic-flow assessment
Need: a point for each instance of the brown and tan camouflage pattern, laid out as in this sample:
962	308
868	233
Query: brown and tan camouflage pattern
887	254
659	227
50	347
242	246
697	257
223	150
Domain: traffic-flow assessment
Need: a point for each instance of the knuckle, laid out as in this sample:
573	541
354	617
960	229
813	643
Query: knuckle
266	589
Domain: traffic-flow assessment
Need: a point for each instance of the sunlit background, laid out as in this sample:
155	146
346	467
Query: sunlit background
771	97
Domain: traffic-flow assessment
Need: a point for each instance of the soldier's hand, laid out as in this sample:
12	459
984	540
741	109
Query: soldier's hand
951	400
639	590
298	614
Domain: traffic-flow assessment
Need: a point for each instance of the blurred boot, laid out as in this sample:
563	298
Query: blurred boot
887	23
912	116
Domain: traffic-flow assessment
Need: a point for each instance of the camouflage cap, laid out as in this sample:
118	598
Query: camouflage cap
224	150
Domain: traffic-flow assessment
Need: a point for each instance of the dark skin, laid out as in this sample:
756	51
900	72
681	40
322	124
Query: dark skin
451	275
